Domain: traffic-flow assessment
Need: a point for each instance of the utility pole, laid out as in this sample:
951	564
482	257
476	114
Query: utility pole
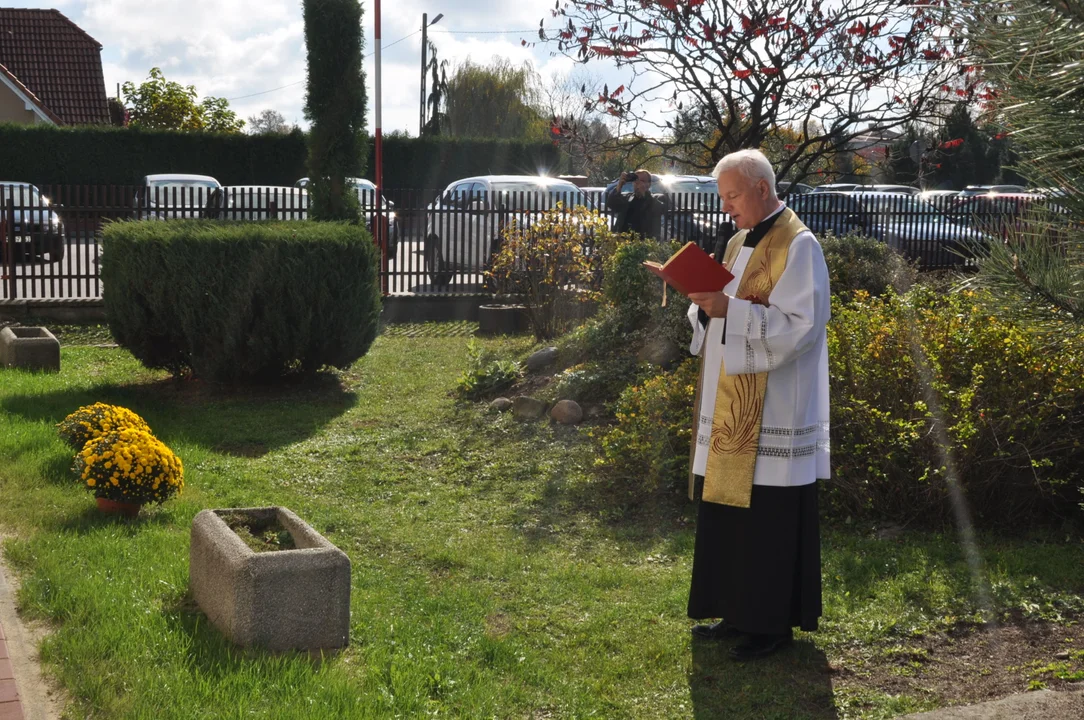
425	47
421	112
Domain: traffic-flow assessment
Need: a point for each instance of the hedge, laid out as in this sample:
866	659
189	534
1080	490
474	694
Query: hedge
88	155
234	301
47	155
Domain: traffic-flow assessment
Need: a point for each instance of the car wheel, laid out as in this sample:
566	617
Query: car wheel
56	250
434	262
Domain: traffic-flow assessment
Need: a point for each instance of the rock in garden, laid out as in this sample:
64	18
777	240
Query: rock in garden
659	351
501	405
542	358
567	412
528	408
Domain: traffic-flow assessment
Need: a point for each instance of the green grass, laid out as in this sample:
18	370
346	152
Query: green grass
496	573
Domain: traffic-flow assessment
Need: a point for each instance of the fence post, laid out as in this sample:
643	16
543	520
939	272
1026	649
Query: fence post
9	243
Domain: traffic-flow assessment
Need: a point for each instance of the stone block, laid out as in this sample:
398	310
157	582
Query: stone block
29	348
281	600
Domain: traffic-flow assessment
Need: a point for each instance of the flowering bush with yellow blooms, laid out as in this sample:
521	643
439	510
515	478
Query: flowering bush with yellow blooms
130	465
91	421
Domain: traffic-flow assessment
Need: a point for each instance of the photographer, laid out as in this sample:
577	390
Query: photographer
643	212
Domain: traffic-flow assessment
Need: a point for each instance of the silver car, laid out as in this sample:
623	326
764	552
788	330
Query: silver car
173	195
464	224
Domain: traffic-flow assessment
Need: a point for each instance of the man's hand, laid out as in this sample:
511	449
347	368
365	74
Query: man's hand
714	304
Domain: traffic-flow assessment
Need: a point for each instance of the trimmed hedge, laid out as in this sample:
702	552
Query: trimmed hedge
47	155
231	302
96	155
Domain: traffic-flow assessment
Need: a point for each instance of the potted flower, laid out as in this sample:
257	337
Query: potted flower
128	468
91	421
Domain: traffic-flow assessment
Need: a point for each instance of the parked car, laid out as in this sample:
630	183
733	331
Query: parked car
38	230
464	224
905	189
905	223
258	202
971	190
784	188
173	195
366	192
693	210
836	187
1004	214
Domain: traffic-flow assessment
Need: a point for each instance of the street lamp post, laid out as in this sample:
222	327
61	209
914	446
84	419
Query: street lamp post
425	46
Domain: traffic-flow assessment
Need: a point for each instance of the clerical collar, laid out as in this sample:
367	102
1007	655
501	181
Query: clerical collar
761	228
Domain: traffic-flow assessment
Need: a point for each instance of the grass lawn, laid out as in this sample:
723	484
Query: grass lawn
496	572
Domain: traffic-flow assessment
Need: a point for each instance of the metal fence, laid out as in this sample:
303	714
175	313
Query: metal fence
50	240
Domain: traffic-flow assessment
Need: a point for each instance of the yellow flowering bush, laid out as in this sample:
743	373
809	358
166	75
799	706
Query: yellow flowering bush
649	443
130	465
91	421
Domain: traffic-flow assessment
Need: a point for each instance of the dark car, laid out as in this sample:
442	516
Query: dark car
38	230
906	223
1005	215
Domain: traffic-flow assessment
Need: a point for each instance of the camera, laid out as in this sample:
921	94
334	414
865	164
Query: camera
629	176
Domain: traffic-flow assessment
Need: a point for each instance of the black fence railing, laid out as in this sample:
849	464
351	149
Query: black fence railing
434	243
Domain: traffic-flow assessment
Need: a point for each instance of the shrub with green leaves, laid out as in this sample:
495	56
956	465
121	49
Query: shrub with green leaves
553	262
233	301
649	444
1011	408
486	373
856	262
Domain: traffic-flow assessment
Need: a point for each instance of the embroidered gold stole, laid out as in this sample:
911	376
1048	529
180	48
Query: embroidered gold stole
739	400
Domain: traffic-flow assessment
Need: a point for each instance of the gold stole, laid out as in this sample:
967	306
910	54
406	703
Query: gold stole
739	401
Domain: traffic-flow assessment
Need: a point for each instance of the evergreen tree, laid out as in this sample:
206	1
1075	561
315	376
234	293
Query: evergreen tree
335	103
1034	66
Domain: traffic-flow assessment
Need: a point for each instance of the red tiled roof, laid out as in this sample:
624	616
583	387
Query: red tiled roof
26	91
57	62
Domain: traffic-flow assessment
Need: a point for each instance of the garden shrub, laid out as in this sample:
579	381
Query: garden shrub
1012	409
486	373
235	301
649	443
856	262
553	262
596	381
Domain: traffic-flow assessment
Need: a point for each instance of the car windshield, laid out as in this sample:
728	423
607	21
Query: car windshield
20	193
547	195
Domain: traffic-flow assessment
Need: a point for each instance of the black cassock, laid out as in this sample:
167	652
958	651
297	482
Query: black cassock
759	568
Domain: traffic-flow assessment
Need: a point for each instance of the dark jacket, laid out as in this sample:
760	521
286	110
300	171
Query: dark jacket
641	215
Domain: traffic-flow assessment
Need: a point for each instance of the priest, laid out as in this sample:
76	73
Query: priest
760	433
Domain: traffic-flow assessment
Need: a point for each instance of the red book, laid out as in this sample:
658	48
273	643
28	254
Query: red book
691	270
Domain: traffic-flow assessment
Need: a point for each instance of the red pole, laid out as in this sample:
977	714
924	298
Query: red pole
382	236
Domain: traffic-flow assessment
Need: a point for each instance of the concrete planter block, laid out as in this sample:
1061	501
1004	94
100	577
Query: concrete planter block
282	600
29	348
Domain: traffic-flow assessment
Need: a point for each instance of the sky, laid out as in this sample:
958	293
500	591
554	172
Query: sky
252	52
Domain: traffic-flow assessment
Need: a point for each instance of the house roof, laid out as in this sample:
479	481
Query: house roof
56	62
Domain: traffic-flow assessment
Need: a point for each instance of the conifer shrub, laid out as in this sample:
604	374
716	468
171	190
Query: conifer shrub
235	301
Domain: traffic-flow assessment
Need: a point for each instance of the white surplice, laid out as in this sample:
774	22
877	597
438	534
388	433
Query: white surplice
788	340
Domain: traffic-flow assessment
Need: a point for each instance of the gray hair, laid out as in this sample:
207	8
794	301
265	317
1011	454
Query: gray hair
752	164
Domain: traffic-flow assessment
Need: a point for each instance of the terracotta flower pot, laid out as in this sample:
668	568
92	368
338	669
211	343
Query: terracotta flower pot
115	507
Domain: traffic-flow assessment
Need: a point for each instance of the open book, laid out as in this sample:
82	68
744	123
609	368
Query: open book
691	270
